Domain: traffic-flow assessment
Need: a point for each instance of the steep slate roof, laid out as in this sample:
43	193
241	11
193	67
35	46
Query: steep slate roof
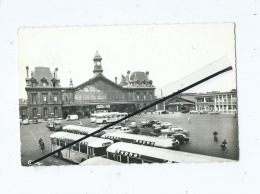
139	75
42	72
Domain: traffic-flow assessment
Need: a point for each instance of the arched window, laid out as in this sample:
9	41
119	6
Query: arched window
55	111
45	112
34	111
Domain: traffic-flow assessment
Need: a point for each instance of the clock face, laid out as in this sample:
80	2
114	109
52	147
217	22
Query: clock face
98	63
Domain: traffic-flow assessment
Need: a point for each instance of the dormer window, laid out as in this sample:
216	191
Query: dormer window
34	82
44	82
55	82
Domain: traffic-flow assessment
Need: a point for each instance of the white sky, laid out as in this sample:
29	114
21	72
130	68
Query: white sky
168	52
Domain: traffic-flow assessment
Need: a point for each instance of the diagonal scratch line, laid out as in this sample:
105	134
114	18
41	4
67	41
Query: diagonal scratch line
137	112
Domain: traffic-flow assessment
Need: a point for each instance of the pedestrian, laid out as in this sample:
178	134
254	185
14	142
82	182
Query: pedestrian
215	135
224	142
80	123
40	142
188	119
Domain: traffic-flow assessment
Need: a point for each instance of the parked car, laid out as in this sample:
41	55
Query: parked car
164	125
72	117
133	125
194	112
184	111
120	129
148	123
158	124
214	113
35	121
174	130
54	125
183	139
113	128
135	131
25	122
165	112
203	112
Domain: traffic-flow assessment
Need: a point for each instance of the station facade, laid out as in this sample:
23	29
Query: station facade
47	99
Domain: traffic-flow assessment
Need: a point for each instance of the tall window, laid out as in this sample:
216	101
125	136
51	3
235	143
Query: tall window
24	111
144	95
34	112
137	96
200	99
34	99
45	112
55	111
44	98
55	98
151	95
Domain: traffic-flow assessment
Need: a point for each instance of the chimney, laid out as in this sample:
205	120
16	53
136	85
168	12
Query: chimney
71	84
27	71
56	74
116	80
128	77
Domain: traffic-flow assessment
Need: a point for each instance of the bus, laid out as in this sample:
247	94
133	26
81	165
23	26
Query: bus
82	130
145	140
121	115
133	153
87	148
109	117
98	161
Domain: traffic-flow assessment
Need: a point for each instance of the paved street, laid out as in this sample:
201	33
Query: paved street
201	128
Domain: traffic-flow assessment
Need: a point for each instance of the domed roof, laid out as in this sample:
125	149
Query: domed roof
97	56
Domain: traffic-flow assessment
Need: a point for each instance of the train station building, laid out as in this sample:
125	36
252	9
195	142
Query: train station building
46	98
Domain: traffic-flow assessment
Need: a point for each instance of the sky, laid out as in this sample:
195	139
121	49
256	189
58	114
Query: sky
168	52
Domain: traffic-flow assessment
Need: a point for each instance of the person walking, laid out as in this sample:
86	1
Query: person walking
215	135
223	145
188	119
80	123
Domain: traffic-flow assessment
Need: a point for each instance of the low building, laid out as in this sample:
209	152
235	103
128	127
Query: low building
223	102
181	103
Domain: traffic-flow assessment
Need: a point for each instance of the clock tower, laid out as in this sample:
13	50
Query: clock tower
97	64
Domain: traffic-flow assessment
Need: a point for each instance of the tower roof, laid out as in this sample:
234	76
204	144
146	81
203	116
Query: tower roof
42	72
139	75
97	57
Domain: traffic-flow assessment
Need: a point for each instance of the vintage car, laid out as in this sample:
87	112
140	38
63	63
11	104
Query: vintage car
194	112
174	130
54	125
25	122
164	125
35	121
133	125
148	123
124	130
72	117
183	139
